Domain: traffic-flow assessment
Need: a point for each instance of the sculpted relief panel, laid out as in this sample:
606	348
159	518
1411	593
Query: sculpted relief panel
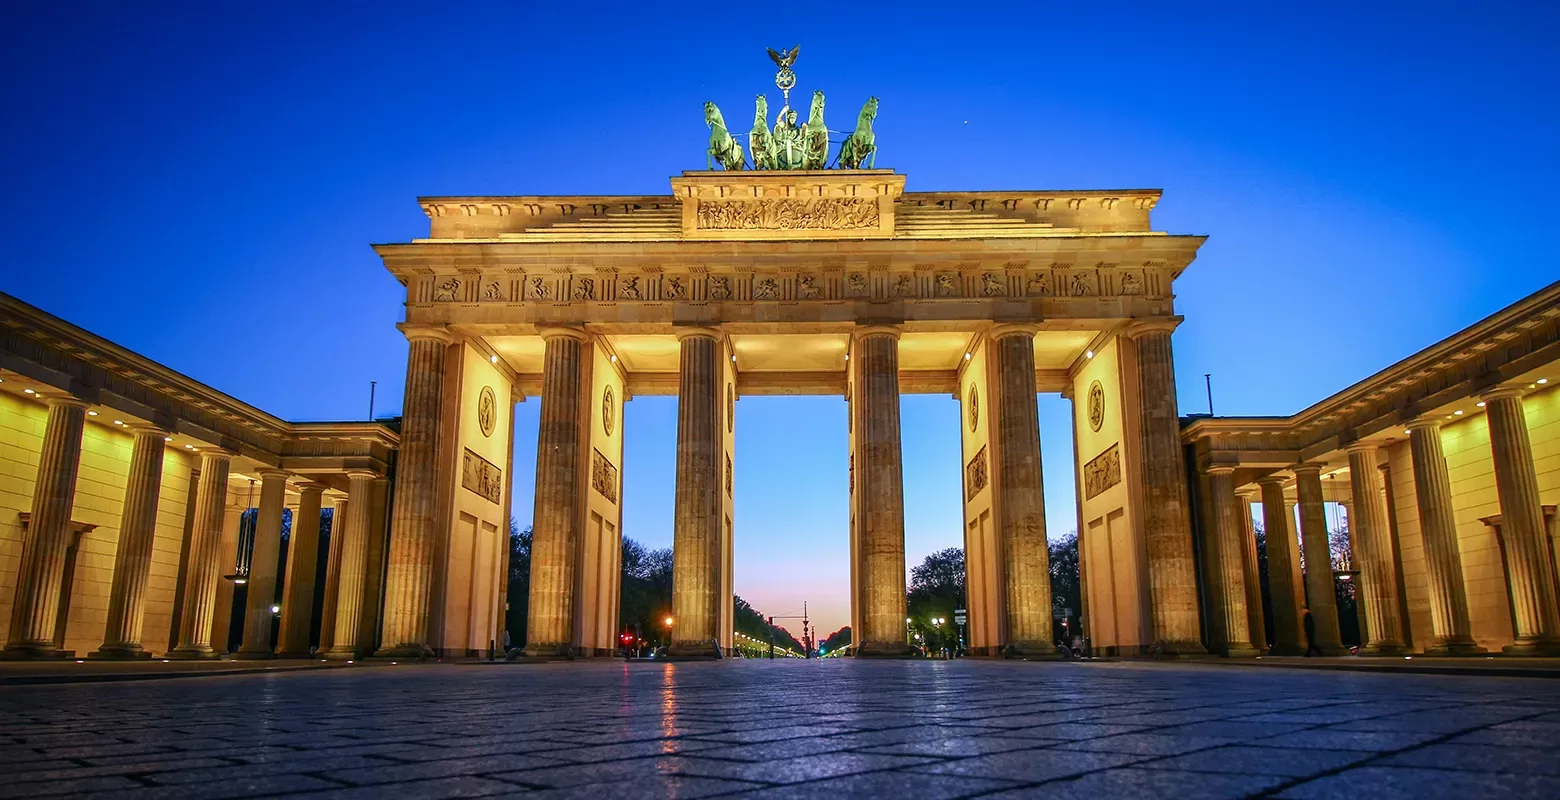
785	214
603	476
479	475
1102	472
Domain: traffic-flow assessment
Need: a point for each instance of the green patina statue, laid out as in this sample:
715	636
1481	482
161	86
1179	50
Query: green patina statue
789	145
760	142
861	146
723	148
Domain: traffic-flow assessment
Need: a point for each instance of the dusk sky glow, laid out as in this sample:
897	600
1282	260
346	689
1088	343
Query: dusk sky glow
202	186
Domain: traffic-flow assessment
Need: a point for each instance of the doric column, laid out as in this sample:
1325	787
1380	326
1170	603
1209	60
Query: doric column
1529	570
1320	587
696	532
42	568
415	527
1378	573
133	556
264	554
1172	573
349	587
556	521
1283	566
338	532
1255	621
1021	512
302	563
204	569
1438	527
1231	559
880	492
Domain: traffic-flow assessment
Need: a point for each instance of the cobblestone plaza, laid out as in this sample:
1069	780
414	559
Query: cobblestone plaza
787	729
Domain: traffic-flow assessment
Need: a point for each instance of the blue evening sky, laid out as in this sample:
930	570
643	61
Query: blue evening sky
201	184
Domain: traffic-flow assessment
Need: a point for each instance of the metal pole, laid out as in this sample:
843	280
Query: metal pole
372	385
1208	381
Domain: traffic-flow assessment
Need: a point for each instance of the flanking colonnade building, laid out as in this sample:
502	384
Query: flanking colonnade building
122	482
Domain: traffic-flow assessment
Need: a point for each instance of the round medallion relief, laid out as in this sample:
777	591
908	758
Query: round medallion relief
973	403
487	410
1096	406
731	407
608	411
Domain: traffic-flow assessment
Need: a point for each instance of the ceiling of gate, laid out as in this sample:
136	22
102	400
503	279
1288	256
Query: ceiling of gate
802	363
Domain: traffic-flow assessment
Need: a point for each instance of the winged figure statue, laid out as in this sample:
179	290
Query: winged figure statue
785	58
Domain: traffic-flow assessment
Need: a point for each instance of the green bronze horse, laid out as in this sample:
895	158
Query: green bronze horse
759	141
815	137
723	147
861	145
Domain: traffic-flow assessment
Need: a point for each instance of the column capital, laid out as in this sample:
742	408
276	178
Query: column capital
218	453
863	331
438	333
563	332
1275	479
361	474
1423	423
1248	491
1219	469
1361	446
273	473
1138	327
148	430
1012	329
312	486
62	399
698	331
1502	391
1312	467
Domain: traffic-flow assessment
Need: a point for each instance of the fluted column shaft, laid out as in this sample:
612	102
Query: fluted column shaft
36	605
1529	570
302	563
1231	557
1438	527
1255	623
1021	514
415	528
133	556
696	535
556	521
1378	571
1283	567
1167	527
338	533
880	493
354	555
1320	585
264	554
203	568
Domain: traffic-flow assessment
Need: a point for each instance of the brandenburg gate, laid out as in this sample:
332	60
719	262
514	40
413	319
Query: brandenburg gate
784	282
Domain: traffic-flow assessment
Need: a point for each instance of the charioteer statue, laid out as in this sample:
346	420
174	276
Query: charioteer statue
789	145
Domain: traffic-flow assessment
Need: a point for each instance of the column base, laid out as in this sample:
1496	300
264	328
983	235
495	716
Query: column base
1464	647
35	652
1240	650
693	651
293	656
406	651
254	655
545	651
1386	649
1533	647
1177	648
886	650
1288	650
122	652
193	653
342	654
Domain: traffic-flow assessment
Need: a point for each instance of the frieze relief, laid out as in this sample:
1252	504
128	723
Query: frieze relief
1102	472
479	475
836	213
603	476
975	475
1058	281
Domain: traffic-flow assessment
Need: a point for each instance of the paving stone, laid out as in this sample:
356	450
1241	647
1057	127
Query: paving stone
1399	783
1137	782
886	784
1030	765
1479	758
1295	763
